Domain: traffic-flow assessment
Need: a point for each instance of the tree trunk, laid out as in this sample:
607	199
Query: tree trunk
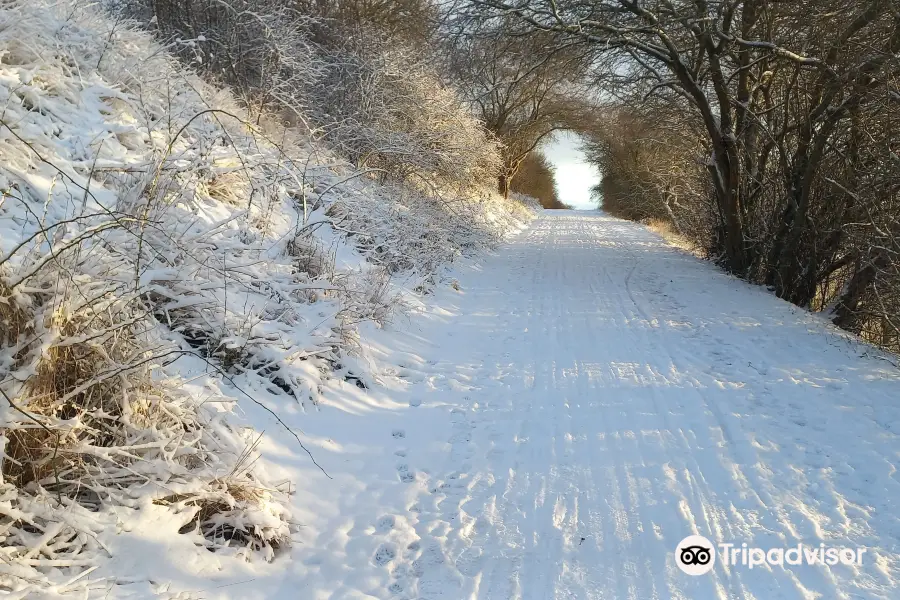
735	251
503	183
727	185
846	311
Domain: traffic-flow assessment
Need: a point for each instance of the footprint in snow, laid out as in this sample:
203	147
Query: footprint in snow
398	434
432	555
440	488
395	588
385	554
404	473
386	523
456	477
415	402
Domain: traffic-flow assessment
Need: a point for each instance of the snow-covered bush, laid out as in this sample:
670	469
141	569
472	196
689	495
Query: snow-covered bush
260	48
388	111
375	101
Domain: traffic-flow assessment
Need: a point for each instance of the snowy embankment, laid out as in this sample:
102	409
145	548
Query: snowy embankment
173	280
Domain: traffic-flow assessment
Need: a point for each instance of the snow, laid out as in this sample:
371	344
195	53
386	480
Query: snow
586	399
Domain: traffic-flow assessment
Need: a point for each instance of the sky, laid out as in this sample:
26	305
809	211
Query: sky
574	176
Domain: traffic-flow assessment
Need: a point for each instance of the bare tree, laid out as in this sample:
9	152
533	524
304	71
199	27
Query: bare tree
406	21
649	169
521	87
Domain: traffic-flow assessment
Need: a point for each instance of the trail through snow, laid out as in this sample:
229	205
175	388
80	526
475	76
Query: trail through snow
586	399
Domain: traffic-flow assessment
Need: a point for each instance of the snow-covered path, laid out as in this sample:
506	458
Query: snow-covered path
626	395
589	397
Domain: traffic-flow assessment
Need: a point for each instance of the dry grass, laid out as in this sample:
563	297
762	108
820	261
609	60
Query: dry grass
93	421
217	514
31	454
309	257
67	386
670	234
368	296
23	459
15	320
231	187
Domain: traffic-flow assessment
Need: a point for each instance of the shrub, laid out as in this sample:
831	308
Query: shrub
536	178
366	93
389	112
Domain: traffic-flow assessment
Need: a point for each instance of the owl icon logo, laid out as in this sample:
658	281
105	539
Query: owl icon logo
695	555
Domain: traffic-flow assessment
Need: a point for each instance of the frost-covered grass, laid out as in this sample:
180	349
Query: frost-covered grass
162	260
667	231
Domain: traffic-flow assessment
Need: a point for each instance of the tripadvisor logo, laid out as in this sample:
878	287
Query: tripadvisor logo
696	555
